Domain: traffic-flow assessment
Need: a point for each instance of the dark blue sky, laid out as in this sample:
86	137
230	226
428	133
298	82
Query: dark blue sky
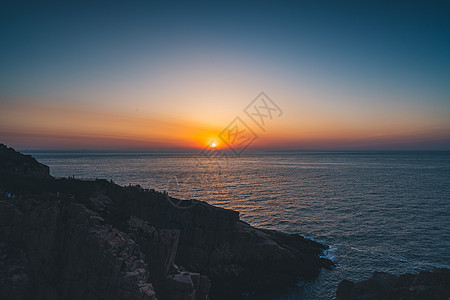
403	41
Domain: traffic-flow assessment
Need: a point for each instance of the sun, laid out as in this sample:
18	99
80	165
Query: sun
213	145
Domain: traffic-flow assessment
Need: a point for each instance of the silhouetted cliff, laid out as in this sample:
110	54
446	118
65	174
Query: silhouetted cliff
72	239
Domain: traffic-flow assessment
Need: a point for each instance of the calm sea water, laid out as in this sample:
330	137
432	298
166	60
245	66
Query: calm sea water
379	211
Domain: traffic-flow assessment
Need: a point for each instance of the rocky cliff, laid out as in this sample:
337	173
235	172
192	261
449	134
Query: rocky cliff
15	163
74	239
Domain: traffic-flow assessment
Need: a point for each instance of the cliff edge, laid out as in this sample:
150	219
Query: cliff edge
70	239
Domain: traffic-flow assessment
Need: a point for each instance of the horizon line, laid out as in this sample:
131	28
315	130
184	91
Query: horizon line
227	149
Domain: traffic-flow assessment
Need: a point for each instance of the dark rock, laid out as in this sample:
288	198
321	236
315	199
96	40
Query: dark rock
70	254
73	239
14	163
234	255
344	289
425	285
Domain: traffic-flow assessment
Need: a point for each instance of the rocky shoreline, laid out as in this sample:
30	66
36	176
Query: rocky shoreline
426	285
74	239
78	239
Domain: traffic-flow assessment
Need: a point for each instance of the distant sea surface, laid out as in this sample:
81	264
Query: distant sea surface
378	211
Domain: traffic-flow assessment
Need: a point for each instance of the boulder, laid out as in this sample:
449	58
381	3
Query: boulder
425	285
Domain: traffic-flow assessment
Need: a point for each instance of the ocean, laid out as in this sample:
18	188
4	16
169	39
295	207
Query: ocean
378	211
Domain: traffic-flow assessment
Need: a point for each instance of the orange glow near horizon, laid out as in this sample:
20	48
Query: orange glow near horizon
57	127
50	126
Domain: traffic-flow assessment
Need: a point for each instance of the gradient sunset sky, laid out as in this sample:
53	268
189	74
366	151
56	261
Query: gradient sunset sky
169	75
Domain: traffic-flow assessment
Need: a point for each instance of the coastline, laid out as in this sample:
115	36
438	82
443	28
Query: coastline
196	253
125	225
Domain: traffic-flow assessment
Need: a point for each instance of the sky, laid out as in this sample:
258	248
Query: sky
175	75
